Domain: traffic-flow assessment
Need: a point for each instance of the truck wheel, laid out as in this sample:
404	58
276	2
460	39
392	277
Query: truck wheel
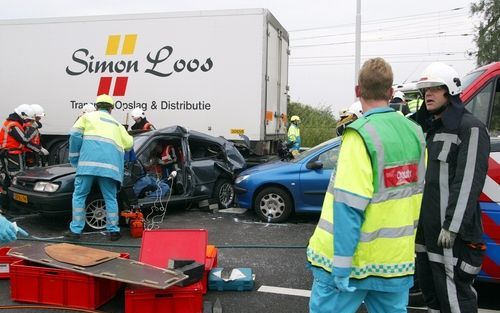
224	193
273	205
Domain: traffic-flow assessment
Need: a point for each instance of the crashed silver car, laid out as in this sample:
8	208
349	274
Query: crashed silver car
204	166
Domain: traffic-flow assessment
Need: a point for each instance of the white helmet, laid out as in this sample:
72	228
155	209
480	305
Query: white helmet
38	109
25	111
439	74
356	109
399	94
137	112
89	107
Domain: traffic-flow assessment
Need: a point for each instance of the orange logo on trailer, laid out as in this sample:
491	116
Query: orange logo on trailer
127	48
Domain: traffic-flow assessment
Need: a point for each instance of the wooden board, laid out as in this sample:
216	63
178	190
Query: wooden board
79	255
119	269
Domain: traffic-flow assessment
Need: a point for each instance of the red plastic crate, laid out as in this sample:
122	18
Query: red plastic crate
5	262
37	283
188	299
160	245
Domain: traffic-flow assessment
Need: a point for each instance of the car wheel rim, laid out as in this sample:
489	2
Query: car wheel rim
272	205
95	215
226	195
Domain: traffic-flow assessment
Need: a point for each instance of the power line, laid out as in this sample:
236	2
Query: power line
385	54
348	63
377	20
377	40
389	28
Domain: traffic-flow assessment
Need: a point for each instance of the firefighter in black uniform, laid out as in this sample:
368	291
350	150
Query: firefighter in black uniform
449	241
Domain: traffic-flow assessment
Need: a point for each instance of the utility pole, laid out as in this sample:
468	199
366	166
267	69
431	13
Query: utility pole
357	58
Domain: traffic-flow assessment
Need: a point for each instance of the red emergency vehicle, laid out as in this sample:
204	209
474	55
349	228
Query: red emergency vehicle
481	95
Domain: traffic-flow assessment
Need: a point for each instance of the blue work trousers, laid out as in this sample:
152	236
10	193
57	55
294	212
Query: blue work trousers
325	298
83	185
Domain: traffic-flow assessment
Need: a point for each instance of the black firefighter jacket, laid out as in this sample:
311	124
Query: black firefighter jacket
458	147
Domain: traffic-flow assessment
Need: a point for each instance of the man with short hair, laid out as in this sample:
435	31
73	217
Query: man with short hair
97	145
363	247
450	246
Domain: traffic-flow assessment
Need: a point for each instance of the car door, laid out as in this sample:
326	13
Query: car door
313	182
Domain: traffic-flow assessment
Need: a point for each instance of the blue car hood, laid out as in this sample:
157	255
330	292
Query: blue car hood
267	167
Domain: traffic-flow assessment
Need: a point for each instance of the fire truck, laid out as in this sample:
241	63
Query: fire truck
481	95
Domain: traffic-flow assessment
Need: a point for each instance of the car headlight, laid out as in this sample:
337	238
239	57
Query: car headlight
46	186
239	179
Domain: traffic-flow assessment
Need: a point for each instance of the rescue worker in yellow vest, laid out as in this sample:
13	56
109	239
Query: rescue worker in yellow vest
97	145
32	131
449	243
415	104
294	139
363	247
141	122
13	138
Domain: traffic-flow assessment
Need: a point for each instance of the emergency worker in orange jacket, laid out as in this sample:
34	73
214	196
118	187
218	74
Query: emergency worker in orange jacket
32	132
13	138
141	122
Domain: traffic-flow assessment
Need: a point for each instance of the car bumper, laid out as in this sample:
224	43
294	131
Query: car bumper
243	197
46	204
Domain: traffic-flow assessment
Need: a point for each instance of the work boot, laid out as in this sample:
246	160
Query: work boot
115	235
69	235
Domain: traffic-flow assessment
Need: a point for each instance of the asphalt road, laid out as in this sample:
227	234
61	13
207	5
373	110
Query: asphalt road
275	252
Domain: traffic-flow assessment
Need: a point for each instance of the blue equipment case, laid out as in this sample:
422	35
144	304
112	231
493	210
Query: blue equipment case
240	284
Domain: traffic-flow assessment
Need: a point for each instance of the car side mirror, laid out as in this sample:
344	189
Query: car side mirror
315	165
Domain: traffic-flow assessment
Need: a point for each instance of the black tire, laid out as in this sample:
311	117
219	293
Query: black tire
273	205
224	193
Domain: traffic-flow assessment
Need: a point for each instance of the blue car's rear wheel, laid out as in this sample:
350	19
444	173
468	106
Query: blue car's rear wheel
273	205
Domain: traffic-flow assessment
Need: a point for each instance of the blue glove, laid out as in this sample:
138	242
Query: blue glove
343	284
7	230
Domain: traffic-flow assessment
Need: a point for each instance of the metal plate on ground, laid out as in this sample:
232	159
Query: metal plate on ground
119	269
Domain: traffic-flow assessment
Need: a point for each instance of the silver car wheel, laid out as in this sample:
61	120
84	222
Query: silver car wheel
95	214
226	195
272	205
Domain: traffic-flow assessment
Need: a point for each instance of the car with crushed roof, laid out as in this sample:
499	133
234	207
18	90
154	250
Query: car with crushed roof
205	169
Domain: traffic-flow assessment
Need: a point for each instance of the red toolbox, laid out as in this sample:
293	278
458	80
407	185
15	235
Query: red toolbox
160	245
37	283
5	262
157	247
188	299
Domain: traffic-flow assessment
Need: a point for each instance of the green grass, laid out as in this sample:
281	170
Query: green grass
317	124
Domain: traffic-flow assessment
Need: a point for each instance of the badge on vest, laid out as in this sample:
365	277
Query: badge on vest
400	175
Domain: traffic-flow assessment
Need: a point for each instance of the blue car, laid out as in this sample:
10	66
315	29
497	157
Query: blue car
275	190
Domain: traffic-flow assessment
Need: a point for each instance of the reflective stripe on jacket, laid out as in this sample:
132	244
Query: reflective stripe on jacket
33	135
97	145
294	136
371	208
9	142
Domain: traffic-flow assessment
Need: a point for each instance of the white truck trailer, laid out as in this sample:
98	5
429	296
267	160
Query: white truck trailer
224	73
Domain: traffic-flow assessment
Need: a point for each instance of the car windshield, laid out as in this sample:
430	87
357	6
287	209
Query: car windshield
469	78
308	152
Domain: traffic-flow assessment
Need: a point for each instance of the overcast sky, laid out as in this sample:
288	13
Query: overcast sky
408	34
